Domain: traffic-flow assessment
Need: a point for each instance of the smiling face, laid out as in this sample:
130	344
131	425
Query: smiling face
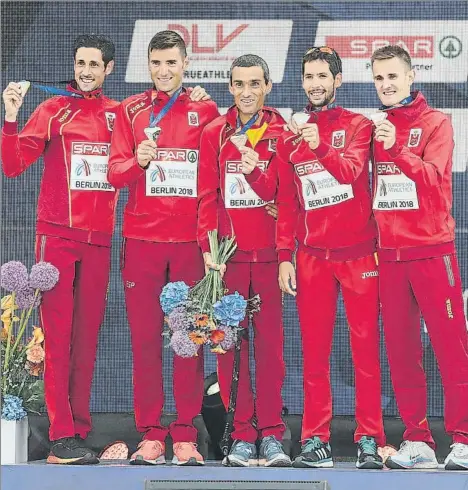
249	90
90	71
319	84
167	68
392	80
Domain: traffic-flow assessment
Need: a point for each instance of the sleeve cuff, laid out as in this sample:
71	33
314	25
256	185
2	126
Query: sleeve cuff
321	150
204	244
253	176
10	127
285	256
395	150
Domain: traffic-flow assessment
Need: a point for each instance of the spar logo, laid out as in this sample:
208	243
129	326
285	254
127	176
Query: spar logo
235	167
158	174
212	45
310	188
238	186
176	155
83	168
303	169
96	149
437	48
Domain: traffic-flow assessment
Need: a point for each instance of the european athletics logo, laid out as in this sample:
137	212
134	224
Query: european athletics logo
83	168
238	185
158	173
310	188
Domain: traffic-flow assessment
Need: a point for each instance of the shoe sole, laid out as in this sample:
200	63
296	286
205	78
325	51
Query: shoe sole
279	462
452	466
84	460
300	463
189	462
238	463
393	465
369	465
139	461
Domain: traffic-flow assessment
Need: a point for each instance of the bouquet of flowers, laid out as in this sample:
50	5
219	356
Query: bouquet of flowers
23	363
204	315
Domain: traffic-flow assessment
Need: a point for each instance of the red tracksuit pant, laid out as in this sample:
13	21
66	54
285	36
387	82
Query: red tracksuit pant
146	269
249	279
71	314
318	282
431	287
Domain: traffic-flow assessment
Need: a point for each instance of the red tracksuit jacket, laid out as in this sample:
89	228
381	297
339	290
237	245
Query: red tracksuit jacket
324	194
75	201
232	202
413	184
162	201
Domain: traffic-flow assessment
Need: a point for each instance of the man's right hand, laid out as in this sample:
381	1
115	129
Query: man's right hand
146	152
13	100
210	265
287	274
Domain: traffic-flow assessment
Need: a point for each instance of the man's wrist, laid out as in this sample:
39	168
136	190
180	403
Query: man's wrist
11	117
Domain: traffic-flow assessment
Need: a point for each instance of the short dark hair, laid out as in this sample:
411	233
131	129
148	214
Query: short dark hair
324	53
392	51
248	60
167	40
103	43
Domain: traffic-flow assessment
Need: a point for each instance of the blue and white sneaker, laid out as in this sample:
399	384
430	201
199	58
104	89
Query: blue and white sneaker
314	454
458	457
241	454
413	455
272	453
368	457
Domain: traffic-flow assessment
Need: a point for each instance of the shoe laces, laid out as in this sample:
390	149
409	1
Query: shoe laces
460	450
243	448
312	444
271	446
411	448
367	445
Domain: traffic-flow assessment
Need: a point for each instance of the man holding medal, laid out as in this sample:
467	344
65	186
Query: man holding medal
419	273
238	180
75	221
324	203
155	153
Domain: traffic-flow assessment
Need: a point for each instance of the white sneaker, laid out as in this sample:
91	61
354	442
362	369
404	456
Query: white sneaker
458	457
413	455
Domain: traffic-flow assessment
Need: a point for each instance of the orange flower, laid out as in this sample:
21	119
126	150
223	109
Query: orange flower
37	338
34	369
4	333
201	320
197	338
35	354
217	336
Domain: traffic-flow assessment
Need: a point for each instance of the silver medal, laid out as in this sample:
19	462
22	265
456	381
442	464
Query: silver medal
239	140
153	133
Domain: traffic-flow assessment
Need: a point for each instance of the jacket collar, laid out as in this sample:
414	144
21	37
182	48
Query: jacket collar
95	94
267	115
413	109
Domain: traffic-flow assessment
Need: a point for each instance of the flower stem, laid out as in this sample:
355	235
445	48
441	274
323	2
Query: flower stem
24	322
8	345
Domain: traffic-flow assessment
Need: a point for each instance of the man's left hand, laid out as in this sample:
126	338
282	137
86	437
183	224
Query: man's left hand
199	93
272	209
385	131
249	159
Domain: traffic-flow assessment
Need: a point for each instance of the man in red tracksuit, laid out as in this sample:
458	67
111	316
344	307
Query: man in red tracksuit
160	241
237	180
75	221
418	266
324	202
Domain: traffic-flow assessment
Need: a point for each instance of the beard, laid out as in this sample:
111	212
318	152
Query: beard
329	97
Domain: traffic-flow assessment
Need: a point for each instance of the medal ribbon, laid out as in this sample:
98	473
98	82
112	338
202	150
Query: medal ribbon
247	125
154	120
54	90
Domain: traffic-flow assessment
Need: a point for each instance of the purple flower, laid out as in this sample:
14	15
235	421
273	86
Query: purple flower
230	336
14	276
178	319
44	276
25	299
182	344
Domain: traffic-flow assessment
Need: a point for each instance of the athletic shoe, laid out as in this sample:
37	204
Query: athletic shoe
149	453
413	455
68	450
314	454
367	454
458	457
272	453
241	454
186	454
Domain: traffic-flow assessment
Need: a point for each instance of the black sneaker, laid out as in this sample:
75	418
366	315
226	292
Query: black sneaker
367	456
314	454
70	451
